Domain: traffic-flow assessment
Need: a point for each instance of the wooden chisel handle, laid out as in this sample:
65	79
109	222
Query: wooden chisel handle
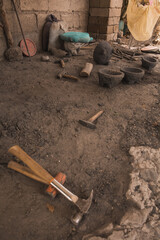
25	171
34	166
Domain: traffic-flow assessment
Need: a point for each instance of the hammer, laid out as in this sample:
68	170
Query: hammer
82	204
67	76
89	123
60	177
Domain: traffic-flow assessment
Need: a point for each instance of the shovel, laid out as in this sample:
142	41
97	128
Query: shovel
82	204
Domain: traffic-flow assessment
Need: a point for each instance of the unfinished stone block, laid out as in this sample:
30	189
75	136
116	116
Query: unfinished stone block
30	5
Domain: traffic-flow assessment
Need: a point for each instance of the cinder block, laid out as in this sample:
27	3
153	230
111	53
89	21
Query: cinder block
83	21
103	21
116	28
114	12
94	3
30	5
103	36
60	5
102	29
8	5
28	22
110	29
79	5
113	20
104	3
116	3
93	28
99	12
93	20
112	37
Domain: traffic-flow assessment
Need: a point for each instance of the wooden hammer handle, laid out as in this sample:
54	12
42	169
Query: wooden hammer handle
25	171
34	166
92	119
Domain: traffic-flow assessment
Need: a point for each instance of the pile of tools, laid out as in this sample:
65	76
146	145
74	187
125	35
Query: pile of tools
38	173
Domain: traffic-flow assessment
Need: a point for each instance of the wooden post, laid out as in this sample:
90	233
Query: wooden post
5	25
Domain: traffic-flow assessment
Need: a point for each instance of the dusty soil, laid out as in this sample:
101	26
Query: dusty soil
40	113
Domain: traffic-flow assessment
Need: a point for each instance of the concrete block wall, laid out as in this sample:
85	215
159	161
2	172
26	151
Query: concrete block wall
33	14
104	18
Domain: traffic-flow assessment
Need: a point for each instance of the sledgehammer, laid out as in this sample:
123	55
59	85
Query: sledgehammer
82	204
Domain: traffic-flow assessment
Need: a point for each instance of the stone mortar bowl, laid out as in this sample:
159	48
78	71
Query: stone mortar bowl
132	74
149	62
109	78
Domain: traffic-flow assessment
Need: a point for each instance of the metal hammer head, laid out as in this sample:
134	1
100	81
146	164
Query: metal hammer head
87	124
84	204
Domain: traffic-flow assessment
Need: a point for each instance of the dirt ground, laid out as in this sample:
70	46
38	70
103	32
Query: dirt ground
40	113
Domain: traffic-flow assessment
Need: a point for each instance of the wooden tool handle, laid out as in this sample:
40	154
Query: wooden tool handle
6	25
92	119
70	77
62	63
25	171
86	71
34	166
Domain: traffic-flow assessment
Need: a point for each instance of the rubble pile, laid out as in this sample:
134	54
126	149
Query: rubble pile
143	220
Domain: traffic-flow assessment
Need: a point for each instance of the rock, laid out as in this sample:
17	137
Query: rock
116	235
102	53
135	218
131	235
149	175
45	59
105	229
58	52
13	54
139	192
97	238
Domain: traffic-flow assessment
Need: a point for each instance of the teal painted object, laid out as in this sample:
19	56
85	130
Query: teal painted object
121	25
76	37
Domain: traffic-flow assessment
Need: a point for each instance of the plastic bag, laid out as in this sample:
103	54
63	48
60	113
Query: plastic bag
141	20
76	37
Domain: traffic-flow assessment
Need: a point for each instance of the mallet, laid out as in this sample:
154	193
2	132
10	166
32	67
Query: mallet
89	123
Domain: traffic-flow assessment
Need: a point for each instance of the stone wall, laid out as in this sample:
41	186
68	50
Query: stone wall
104	18
33	13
